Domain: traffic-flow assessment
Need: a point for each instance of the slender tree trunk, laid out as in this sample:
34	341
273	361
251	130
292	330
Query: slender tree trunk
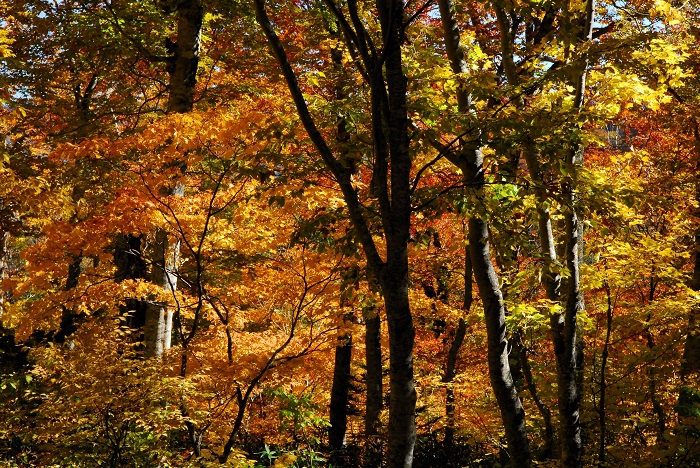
68	315
183	77
602	416
130	265
470	160
448	378
451	365
340	393
564	330
691	353
373	377
564	326
402	399
164	257
656	404
4	266
502	383
568	346
521	352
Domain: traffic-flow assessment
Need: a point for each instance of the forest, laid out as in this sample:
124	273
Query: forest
349	233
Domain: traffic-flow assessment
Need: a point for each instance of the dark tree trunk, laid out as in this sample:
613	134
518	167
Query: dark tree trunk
130	265
388	85
68	316
183	75
502	383
568	346
451	365
448	378
4	267
402	401
656	404
521	353
691	353
564	331
373	377
564	326
396	222
340	393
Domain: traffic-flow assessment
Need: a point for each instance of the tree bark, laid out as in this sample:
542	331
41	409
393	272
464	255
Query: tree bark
564	331
389	114
373	377
448	378
656	404
512	412
68	316
470	160
183	77
131	265
402	401
521	352
567	345
165	251
451	364
164	257
4	266
340	393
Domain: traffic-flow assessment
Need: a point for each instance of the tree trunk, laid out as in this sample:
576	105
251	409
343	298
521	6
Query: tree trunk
602	416
402	394
521	352
512	412
567	344
470	161
564	326
564	331
656	404
389	113
340	393
130	265
68	316
164	256
451	365
4	267
183	76
450	372
373	377
691	353
165	251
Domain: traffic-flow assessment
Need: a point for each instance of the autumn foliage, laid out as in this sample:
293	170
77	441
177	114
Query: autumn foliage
229	231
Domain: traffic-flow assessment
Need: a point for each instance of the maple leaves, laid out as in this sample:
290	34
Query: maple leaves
270	262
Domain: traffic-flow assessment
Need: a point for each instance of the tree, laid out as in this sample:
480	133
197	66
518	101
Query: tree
391	187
